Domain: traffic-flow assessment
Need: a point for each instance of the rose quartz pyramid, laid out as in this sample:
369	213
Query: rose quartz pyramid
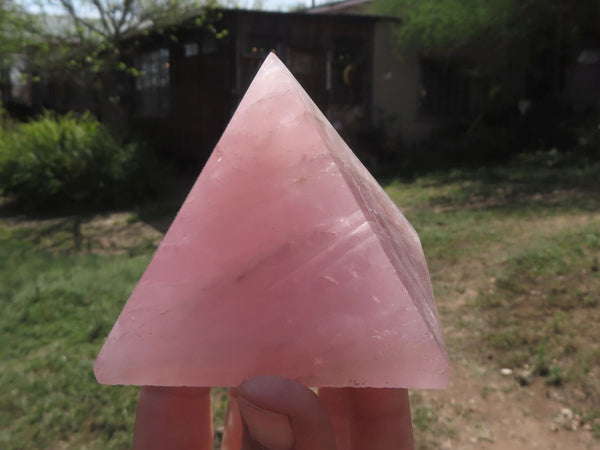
287	258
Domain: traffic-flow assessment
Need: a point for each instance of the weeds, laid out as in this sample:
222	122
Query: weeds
423	417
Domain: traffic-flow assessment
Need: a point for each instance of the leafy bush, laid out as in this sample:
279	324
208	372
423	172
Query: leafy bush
68	161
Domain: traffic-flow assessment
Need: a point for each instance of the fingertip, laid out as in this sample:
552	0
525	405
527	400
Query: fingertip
272	430
269	405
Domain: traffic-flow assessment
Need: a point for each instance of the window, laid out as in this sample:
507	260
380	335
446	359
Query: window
152	84
190	49
346	76
443	90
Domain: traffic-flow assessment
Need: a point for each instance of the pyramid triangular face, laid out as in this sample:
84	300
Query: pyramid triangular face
287	258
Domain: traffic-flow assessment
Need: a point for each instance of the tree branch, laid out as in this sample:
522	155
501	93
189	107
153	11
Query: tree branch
127	7
70	9
102	10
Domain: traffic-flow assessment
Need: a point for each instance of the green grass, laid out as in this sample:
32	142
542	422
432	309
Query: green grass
59	301
523	237
539	183
426	425
56	310
542	308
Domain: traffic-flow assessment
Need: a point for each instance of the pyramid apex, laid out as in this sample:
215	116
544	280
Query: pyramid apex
271	60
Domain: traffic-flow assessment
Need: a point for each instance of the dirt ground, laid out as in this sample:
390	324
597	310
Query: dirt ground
483	409
483	406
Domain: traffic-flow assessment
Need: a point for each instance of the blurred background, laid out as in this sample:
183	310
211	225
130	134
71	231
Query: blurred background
481	119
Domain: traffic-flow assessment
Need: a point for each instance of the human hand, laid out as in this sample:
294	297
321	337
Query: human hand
276	414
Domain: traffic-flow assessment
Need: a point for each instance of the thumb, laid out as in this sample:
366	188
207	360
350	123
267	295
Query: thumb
280	414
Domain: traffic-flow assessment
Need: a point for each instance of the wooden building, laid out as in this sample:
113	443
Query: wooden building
191	81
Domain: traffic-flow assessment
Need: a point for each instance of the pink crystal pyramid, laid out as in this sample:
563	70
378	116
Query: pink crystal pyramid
287	258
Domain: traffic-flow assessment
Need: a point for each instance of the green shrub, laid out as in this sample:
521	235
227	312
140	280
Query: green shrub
58	161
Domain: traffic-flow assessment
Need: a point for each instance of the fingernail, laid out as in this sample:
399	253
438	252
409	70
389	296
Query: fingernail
270	429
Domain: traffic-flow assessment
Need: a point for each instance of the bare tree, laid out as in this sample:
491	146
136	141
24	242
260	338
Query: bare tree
99	36
112	20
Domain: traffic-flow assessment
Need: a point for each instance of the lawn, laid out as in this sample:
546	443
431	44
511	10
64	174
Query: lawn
513	252
58	305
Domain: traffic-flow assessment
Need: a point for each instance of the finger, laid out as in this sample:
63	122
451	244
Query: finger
337	404
381	419
374	419
281	414
232	433
173	417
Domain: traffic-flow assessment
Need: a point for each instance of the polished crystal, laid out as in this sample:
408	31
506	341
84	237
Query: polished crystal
286	258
